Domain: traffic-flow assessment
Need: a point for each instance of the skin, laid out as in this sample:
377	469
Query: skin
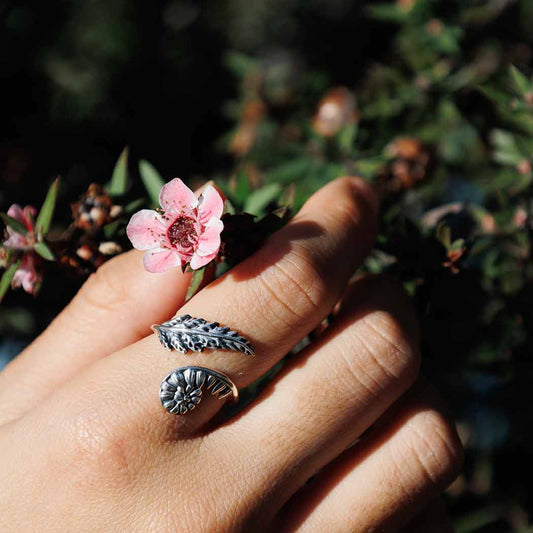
86	445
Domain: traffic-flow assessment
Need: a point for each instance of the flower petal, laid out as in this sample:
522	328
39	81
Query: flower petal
161	259
198	261
176	197
146	230
15	240
26	275
24	216
16	212
209	241
210	204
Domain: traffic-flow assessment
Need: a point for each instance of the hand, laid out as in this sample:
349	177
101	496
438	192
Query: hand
86	446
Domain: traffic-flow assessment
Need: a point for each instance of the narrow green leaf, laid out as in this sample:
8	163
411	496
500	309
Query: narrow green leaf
7	277
242	186
259	199
111	229
42	224
134	205
521	83
444	234
14	224
42	249
119	180
346	137
387	12
152	180
239	63
200	278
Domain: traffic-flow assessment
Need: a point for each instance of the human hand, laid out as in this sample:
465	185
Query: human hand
86	445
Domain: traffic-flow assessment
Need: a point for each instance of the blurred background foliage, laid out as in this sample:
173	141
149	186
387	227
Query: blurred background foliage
430	100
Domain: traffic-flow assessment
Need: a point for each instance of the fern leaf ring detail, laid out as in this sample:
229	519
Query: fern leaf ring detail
182	389
186	333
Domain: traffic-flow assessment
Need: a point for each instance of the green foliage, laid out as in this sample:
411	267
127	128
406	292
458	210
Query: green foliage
44	218
258	200
7	277
14	224
44	251
152	181
119	179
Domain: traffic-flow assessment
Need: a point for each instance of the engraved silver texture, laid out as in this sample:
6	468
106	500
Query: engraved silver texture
185	333
181	390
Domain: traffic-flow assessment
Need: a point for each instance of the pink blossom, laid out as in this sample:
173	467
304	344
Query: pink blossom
27	276
18	241
187	231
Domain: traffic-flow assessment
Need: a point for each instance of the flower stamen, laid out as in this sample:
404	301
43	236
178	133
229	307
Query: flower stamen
182	232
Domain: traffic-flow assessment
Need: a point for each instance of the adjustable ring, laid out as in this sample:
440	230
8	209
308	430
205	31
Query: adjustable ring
181	390
185	333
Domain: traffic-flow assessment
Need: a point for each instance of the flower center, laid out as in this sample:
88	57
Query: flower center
182	232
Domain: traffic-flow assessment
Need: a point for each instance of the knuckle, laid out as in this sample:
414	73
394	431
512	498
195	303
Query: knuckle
98	454
294	288
352	210
105	289
385	353
436	448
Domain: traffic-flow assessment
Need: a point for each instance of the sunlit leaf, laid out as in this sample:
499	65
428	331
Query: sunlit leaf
152	180
119	180
259	199
42	249
7	277
44	219
134	205
111	229
521	83
199	279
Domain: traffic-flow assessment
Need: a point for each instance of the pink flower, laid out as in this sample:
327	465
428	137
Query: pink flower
187	231
27	276
18	241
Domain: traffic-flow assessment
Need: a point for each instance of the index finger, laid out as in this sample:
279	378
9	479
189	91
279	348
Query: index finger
113	309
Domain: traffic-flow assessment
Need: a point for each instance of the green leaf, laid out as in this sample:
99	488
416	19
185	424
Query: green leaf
111	229
7	277
152	180
242	186
506	151
14	224
346	137
387	12
42	224
259	199
42	249
521	83
239	63
134	205
444	234
119	180
200	278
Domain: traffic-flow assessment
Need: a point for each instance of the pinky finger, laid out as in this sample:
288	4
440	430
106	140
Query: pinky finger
386	479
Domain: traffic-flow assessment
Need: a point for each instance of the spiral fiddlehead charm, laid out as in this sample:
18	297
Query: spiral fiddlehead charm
182	389
184	333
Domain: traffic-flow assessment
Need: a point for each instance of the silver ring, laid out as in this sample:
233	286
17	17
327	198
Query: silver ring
181	390
185	333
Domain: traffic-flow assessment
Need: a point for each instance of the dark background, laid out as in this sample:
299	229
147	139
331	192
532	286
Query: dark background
172	80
